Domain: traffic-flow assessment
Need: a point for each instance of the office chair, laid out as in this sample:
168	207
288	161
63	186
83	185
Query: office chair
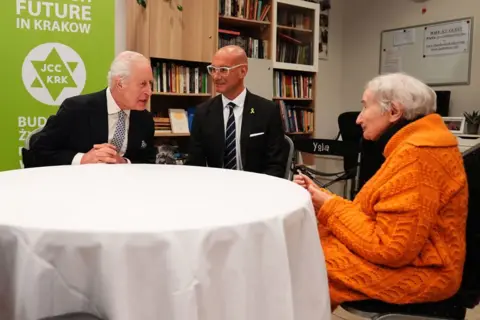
28	157
73	316
348	147
31	137
290	149
468	296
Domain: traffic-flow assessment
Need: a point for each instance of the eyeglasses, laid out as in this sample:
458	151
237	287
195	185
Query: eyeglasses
223	71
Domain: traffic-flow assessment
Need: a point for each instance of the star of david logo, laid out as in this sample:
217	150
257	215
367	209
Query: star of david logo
54	74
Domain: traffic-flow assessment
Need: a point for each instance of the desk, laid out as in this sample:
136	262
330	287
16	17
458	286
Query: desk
154	242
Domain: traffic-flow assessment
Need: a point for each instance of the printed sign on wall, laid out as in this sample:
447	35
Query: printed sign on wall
448	38
51	50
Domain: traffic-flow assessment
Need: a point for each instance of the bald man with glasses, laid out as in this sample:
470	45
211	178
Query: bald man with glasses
237	129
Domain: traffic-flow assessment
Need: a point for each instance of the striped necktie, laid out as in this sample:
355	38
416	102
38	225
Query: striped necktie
230	157
119	135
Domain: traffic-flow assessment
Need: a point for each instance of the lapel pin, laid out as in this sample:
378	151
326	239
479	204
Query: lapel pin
252	111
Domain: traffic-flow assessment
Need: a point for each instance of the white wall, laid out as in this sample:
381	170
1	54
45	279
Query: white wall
364	20
120	26
329	78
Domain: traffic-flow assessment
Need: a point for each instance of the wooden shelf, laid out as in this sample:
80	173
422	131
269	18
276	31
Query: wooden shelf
300	133
295	67
234	21
291	98
170	134
294	29
175	94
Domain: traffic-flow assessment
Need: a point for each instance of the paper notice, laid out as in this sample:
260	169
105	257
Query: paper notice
392	62
450	38
403	37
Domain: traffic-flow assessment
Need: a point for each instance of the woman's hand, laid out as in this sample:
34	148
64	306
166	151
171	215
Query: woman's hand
304	181
319	196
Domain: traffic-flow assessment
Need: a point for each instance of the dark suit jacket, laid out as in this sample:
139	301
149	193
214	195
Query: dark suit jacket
81	122
261	153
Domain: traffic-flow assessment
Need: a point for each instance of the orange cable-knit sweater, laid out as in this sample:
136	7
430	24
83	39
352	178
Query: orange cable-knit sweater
402	239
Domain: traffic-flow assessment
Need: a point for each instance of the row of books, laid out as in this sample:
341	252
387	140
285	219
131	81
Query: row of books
293	51
175	78
293	86
247	9
296	20
254	48
296	118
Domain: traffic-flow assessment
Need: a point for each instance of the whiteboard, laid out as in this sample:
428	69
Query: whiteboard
437	53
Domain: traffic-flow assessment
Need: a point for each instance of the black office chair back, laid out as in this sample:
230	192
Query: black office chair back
289	153
28	156
350	131
469	293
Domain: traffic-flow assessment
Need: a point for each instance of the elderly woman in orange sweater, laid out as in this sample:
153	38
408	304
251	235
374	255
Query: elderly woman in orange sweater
402	239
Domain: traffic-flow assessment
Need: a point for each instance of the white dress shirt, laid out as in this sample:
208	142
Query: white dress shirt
239	101
112	109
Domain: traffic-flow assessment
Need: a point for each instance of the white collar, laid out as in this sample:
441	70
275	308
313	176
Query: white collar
238	101
112	106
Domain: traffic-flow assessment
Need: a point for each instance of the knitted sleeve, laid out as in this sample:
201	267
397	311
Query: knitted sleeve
402	212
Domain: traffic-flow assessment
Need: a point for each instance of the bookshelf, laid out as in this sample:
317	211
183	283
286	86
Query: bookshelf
288	30
180	44
246	23
296	35
295	63
280	37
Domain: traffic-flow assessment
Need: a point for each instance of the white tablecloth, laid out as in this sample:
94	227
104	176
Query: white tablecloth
154	242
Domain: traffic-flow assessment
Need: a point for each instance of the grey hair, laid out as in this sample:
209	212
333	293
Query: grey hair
412	95
122	65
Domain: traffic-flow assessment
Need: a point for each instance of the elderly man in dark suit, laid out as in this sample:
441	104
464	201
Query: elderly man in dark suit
109	126
237	129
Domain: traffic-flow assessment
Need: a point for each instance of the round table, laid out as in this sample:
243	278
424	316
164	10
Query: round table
141	242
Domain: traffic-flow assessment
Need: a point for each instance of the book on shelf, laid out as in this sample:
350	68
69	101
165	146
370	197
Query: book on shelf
295	20
292	50
292	85
179	120
246	9
162	124
254	48
170	77
296	118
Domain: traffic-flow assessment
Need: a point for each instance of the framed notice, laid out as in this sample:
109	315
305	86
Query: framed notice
438	53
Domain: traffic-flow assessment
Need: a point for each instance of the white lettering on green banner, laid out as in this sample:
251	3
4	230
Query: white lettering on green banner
56	49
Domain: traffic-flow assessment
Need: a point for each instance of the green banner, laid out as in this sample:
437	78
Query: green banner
51	50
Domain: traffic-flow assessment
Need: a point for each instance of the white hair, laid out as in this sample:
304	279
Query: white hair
122	65
413	96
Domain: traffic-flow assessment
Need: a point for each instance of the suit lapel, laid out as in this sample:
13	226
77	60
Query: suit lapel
247	118
218	128
99	119
133	130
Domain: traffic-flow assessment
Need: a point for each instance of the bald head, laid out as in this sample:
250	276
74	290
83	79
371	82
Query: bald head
236	54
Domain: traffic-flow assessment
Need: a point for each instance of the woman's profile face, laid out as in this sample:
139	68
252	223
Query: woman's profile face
373	120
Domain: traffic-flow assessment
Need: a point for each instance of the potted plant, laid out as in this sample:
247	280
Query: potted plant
473	121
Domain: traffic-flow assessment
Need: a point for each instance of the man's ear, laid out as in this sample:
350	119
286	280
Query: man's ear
244	71
396	112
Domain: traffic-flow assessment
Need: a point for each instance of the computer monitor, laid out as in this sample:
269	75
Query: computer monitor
443	102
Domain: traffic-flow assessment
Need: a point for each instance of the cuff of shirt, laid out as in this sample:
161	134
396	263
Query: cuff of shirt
128	161
77	159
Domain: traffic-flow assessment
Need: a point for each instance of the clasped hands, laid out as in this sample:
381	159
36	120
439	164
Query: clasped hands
319	195
102	153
